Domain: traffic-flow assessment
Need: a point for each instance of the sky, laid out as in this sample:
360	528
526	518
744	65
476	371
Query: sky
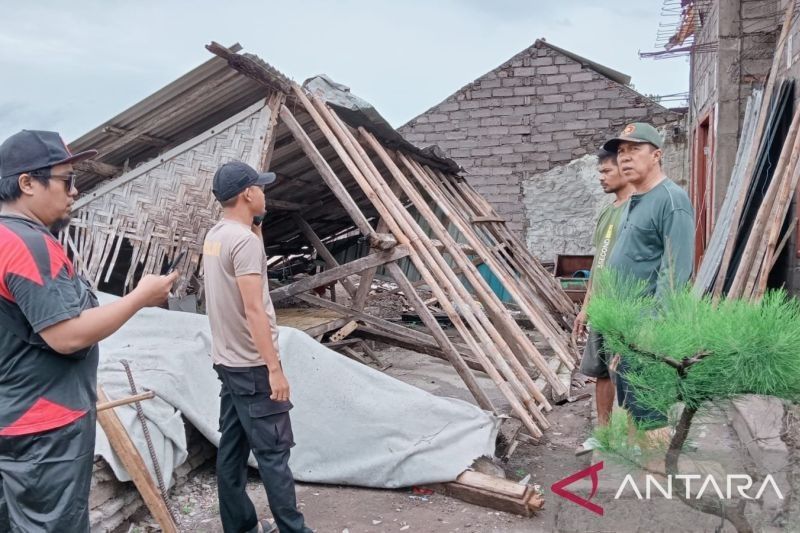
70	66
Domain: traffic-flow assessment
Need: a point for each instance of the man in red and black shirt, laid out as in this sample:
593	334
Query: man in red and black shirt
50	325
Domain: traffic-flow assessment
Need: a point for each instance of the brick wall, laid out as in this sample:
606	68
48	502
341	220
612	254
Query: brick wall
539	110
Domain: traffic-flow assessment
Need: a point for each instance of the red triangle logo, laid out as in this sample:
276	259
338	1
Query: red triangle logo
558	488
42	416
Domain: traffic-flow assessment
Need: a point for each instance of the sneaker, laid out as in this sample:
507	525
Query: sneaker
588	446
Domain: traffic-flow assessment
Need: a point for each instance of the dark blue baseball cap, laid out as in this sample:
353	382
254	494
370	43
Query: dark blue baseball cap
31	150
232	178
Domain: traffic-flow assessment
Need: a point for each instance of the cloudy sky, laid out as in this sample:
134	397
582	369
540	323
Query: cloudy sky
69	66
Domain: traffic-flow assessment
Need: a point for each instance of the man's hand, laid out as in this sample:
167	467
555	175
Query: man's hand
579	326
154	290
279	386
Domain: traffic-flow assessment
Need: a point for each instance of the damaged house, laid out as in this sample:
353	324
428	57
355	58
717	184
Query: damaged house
355	206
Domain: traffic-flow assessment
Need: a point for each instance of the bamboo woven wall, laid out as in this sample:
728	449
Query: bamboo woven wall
165	210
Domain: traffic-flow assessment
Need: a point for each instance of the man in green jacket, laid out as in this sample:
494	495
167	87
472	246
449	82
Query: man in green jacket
595	360
656	240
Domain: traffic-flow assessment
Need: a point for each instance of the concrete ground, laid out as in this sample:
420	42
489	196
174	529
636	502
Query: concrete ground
338	509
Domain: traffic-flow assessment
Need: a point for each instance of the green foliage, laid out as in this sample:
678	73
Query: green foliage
748	347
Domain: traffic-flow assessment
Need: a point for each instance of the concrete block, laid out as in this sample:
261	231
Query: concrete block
571	87
524	91
565	116
570	68
490	84
497	130
568	144
503	91
612	113
598	103
553	98
572	106
561	135
482	93
593	113
546	108
511	159
543	118
560	157
490	121
584	96
581	76
521	130
598	123
480	113
597	85
503	149
438	117
547	89
541	61
469	104
448	106
558	78
575	125
515	121
513	82
512	100
542	137
552	69
525	71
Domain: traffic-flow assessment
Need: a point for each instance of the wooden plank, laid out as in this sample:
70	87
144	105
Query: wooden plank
274	105
91	196
322	329
488	218
262	73
753	156
130	458
90	166
334	274
303	318
344	331
483	481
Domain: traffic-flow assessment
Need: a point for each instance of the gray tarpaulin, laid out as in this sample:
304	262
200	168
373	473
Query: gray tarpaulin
352	424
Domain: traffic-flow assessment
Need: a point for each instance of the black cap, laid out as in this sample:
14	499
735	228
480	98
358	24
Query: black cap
235	176
31	150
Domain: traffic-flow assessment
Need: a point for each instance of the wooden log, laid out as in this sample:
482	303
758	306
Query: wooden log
334	274
322	329
333	140
260	72
125	401
123	446
268	145
395	214
322	250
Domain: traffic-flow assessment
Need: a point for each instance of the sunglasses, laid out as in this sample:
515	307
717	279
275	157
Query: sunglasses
68	179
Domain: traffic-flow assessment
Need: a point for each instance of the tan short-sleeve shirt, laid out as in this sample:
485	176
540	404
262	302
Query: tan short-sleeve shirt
231	250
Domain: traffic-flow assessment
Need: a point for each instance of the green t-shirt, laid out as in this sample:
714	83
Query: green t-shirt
605	234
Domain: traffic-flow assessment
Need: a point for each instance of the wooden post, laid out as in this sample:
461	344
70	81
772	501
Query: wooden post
123	446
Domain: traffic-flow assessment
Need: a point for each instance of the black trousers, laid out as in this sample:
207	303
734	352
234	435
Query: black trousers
251	421
45	479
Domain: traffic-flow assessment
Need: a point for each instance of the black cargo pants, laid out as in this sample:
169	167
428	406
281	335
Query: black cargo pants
45	479
250	420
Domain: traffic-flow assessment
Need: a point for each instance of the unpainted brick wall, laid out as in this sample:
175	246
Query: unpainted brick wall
539	110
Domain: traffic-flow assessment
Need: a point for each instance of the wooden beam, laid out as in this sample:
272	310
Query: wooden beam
274	105
281	205
479	220
130	458
90	166
335	274
260	72
125	401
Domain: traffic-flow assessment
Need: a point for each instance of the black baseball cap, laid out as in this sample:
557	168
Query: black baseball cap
232	178
31	150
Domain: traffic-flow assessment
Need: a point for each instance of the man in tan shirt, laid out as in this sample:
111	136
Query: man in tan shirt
254	401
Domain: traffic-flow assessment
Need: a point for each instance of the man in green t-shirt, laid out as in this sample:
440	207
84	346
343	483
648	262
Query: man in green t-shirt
595	360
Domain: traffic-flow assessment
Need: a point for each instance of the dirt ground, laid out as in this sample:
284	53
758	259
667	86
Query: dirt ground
338	509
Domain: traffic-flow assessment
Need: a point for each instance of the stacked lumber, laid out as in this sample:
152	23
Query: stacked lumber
752	228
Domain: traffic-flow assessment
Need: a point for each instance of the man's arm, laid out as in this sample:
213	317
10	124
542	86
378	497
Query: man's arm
250	287
94	325
678	258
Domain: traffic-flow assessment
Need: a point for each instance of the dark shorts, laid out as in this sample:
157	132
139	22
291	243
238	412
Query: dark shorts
595	360
643	417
